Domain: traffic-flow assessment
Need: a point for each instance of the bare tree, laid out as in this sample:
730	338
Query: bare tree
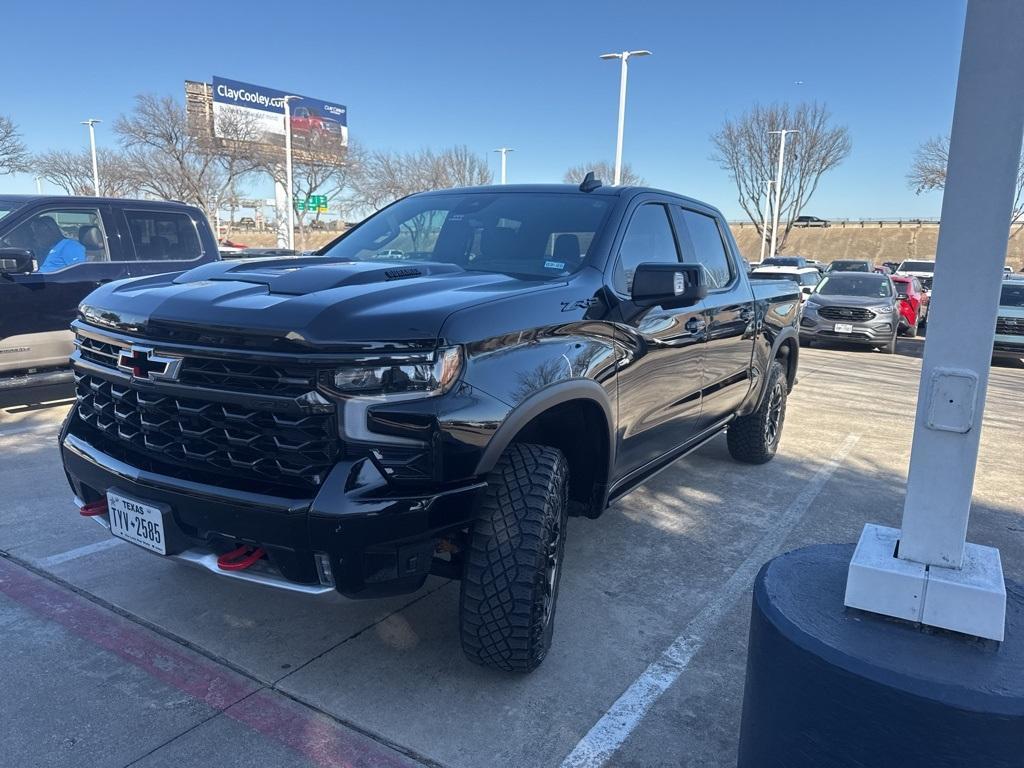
14	156
604	171
72	172
387	176
748	151
321	173
928	173
173	164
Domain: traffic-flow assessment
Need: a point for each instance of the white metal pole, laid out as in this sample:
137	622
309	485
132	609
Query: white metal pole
984	153
767	207
503	151
778	187
623	76
288	169
91	122
39	185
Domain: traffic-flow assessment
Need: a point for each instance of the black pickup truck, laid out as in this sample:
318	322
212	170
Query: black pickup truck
54	250
434	392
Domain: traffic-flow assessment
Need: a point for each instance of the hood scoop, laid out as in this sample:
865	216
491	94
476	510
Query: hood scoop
289	278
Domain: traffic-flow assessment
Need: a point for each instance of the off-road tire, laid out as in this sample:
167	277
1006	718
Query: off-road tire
509	590
754	438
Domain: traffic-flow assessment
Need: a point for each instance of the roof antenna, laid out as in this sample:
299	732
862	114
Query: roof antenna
589	183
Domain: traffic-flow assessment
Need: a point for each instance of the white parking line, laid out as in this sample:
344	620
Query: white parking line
74	554
609	733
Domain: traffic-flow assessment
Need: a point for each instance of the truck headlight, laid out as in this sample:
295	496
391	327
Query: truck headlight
427	375
886	310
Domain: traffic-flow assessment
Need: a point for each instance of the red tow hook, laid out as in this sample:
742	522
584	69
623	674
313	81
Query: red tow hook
93	508
239	559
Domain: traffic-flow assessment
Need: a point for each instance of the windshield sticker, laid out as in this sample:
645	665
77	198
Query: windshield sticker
554	265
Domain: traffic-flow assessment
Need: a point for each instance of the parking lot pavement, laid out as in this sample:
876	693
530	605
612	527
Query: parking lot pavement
650	641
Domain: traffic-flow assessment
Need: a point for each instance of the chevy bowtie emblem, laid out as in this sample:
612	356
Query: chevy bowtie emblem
144	363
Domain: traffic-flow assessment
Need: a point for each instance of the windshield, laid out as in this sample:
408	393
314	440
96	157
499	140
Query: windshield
1012	295
849	266
917	266
546	234
791	276
853	284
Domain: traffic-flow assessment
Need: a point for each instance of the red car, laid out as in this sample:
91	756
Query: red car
913	303
308	124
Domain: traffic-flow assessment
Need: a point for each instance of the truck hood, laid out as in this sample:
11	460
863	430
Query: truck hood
315	302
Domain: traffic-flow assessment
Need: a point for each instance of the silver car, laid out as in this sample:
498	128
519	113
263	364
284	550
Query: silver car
852	307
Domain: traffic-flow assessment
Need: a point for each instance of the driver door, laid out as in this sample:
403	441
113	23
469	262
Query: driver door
38	306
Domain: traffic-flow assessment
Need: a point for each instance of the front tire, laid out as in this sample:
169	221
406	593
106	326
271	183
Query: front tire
754	438
513	563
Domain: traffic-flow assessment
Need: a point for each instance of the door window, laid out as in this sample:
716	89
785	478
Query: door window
61	238
163	236
648	238
708	248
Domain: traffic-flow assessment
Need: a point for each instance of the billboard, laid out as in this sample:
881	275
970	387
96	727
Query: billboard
257	113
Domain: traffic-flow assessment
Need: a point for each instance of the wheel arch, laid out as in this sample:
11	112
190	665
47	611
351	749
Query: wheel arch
576	417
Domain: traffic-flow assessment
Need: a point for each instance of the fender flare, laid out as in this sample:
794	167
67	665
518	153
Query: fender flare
753	402
539	402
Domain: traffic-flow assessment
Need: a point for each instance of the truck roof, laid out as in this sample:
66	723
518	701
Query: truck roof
605	190
24	199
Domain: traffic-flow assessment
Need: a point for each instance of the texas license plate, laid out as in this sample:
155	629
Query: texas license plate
844	328
137	522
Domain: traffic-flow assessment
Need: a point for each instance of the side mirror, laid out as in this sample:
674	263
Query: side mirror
670	285
16	261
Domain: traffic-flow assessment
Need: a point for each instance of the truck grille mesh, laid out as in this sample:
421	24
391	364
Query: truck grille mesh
1010	326
855	314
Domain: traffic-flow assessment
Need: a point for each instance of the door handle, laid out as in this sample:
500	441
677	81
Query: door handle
695	325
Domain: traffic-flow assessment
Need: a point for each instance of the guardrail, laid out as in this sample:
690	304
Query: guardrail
853	223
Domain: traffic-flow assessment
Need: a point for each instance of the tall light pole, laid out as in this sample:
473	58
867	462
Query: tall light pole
767	206
778	184
288	168
91	122
623	75
503	151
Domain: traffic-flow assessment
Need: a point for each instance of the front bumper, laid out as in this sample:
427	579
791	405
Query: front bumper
378	541
874	332
1006	349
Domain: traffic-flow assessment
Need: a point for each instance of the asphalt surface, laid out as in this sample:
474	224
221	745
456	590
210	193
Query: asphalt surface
115	657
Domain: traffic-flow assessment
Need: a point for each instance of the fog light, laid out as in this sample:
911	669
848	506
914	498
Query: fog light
323	568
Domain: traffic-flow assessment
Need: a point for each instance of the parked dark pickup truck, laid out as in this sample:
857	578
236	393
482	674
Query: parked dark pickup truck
353	421
55	250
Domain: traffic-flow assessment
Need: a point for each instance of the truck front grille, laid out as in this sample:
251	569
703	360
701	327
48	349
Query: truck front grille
1010	326
296	450
853	314
249	376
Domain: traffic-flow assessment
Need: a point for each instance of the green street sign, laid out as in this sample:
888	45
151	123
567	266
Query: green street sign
317	203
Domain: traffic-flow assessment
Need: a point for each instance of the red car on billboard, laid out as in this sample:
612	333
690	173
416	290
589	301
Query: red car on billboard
913	303
307	123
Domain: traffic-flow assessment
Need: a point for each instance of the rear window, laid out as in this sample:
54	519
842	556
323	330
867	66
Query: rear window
917	266
1012	295
163	236
901	287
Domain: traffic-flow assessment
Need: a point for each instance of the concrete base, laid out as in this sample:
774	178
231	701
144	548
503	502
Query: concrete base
833	686
971	599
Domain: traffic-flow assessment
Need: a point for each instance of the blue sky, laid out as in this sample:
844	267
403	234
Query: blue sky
522	74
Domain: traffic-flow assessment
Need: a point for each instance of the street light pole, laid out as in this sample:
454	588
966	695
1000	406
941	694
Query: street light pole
503	151
623	76
778	184
767	206
91	122
288	168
